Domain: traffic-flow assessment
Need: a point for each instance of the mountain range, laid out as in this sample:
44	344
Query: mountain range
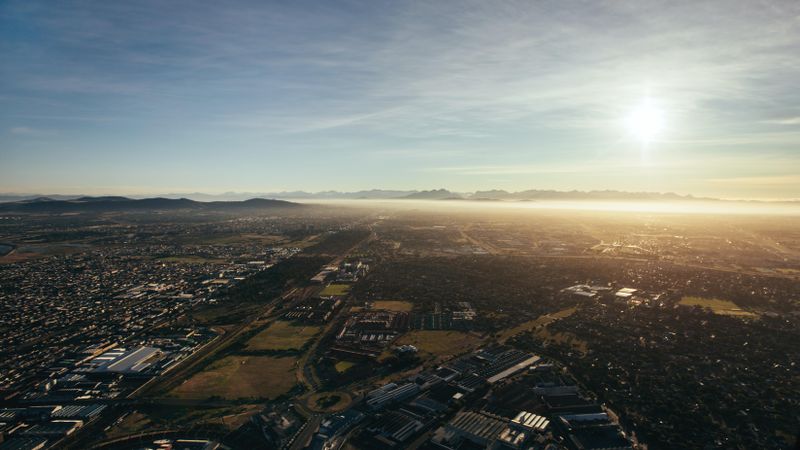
115	203
233	199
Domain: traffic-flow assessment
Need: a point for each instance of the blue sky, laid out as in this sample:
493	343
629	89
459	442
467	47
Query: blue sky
153	97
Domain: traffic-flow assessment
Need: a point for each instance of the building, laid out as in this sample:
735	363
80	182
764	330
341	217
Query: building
137	361
391	393
530	422
478	428
24	443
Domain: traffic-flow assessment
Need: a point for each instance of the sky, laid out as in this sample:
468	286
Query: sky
141	97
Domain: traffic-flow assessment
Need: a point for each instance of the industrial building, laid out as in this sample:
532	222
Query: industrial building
479	428
390	393
137	361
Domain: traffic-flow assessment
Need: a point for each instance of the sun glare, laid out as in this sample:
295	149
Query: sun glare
645	122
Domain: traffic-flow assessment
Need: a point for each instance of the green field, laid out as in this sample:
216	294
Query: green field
245	238
282	336
343	366
533	325
539	329
393	305
440	344
224	314
335	290
240	377
328	401
132	423
192	259
156	416
717	306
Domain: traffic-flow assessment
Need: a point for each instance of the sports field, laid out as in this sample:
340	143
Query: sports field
343	366
335	290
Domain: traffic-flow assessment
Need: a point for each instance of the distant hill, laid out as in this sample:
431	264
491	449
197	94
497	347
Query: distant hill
436	194
111	204
534	194
4	198
367	194
378	194
232	199
490	195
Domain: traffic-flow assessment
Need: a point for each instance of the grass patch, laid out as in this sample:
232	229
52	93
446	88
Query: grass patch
240	377
244	238
343	366
538	327
717	306
393	305
303	243
563	338
192	259
165	416
335	290
282	336
224	314
230	418
539	322
440	344
132	423
328	401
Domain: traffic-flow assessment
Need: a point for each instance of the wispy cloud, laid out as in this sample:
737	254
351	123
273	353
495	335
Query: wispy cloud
784	181
28	131
22	130
785	121
506	88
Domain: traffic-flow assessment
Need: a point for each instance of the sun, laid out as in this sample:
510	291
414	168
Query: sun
645	122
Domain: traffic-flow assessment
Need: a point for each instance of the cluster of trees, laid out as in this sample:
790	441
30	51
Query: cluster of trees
687	378
338	242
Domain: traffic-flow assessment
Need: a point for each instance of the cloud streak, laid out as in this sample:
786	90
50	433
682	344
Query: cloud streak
541	84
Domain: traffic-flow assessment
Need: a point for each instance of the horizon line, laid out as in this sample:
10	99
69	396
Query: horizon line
276	194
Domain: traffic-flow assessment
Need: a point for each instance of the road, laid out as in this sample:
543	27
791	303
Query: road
168	380
305	367
271	312
302	438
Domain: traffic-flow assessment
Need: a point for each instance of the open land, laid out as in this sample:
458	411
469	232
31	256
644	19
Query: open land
238	377
718	306
335	289
282	336
440	344
393	305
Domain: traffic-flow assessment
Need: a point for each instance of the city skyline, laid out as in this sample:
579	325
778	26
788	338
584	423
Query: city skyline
143	98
